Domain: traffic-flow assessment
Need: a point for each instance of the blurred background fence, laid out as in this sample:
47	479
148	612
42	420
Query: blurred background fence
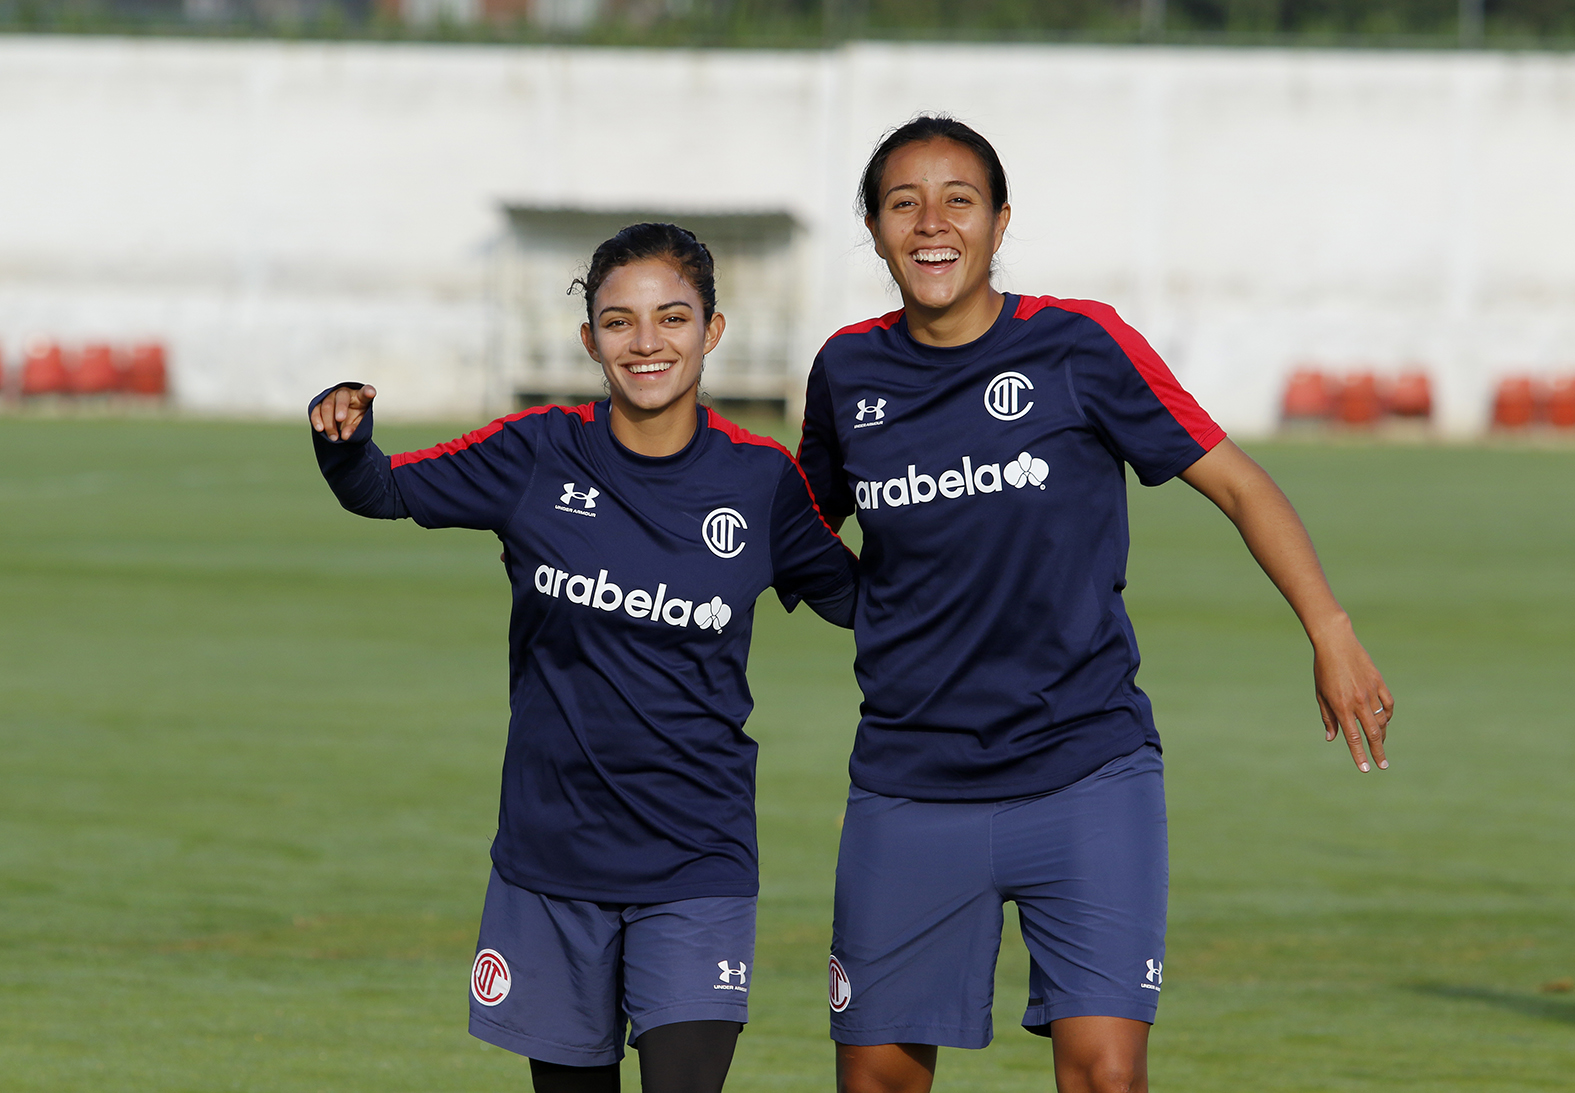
280	213
797	22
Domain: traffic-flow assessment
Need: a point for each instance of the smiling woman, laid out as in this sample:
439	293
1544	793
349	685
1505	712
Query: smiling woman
937	211
1005	752
637	533
651	318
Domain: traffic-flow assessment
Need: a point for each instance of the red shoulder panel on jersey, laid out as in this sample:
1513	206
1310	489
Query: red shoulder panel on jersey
883	322
739	435
1155	372
585	412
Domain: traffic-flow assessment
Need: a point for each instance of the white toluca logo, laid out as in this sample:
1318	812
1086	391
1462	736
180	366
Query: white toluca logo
1003	397
637	603
918	489
840	990
720	531
878	411
1156	975
489	977
725	980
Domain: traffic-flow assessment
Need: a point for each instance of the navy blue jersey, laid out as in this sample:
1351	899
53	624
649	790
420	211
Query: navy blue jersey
994	650
628	776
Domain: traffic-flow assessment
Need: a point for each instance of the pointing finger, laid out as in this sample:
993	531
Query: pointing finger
338	414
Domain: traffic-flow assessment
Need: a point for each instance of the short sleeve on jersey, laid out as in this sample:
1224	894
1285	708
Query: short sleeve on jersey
819	451
472	482
1128	394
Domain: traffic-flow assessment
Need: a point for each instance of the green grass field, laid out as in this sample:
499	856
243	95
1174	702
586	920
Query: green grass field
249	747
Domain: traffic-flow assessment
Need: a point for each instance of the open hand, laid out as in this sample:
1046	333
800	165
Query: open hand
1352	697
339	414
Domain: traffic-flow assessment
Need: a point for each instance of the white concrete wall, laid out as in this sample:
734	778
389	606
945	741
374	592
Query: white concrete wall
290	214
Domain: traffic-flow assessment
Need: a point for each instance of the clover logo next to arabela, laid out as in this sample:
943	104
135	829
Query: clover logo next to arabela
1026	470
714	615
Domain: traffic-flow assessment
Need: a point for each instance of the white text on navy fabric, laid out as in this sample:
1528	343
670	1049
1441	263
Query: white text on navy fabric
915	488
603	595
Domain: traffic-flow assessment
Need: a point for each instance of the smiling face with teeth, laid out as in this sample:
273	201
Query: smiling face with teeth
938	233
650	335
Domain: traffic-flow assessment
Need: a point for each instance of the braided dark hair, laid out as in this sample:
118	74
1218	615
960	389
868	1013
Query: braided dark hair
920	129
638	242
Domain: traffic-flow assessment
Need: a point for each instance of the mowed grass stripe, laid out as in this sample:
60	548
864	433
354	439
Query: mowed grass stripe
251	748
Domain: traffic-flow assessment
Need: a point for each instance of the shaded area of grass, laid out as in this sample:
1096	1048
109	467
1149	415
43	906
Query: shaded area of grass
1525	1005
251	746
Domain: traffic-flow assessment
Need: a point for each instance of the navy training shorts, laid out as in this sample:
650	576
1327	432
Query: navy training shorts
556	979
920	889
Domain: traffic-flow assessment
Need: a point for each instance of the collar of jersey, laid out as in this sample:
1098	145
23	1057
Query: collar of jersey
678	458
961	354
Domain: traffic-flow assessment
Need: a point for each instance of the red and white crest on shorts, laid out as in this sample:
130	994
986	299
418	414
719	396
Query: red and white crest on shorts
489	977
841	991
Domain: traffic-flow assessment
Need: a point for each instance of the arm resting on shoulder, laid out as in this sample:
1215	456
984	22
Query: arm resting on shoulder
360	475
1352	697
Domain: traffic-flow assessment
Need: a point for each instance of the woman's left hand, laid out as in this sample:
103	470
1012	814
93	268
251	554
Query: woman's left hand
1352	697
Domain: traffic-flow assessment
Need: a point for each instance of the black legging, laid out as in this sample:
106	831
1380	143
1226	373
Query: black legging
687	1057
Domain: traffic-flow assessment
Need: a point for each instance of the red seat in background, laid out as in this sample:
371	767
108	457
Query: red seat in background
1360	403
44	370
95	373
146	374
1561	403
1412	395
1517	402
1307	396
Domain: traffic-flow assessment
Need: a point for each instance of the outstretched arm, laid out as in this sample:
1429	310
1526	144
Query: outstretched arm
1351	694
360	475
